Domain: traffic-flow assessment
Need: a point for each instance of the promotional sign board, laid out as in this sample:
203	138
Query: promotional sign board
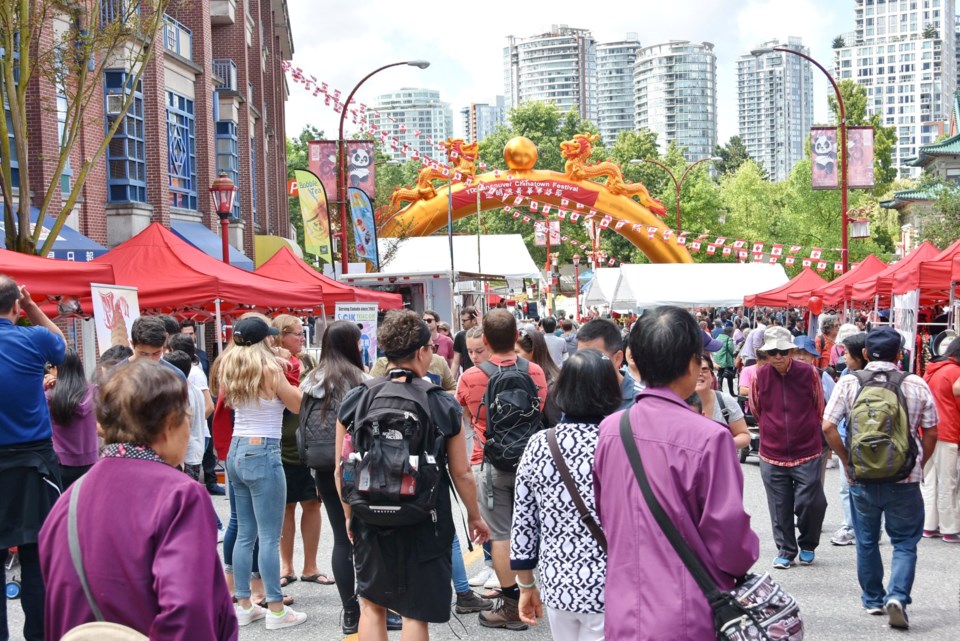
322	160
115	307
860	153
823	147
364	315
316	217
364	227
540	233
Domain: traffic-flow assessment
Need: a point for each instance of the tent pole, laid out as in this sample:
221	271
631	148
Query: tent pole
216	305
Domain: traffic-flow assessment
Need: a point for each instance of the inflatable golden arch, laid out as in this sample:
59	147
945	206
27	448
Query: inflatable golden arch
427	211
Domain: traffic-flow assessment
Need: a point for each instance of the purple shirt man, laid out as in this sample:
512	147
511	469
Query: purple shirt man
692	466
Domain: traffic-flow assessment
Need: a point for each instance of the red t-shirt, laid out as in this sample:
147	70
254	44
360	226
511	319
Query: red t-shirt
470	390
444	347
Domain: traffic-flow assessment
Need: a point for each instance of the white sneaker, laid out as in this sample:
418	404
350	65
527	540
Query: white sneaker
493	583
844	536
287	618
246	617
480	577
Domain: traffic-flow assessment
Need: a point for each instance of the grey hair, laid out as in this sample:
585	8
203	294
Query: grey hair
475	332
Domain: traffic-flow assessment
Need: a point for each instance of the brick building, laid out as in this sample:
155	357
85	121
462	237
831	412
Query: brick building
212	98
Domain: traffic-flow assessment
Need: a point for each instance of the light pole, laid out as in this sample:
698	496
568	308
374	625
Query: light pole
576	269
342	158
676	183
844	220
223	192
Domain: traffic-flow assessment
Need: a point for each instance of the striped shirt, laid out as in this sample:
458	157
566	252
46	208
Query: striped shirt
921	410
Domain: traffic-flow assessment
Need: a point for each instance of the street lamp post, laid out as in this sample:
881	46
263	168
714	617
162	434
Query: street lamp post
342	158
576	269
678	184
844	220
223	192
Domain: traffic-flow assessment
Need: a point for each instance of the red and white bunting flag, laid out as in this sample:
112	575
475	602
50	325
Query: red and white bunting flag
605	222
579	205
682	239
564	202
854	266
739	244
777	251
695	246
562	214
788	261
758	248
516	214
574	216
620	223
564	239
518	200
806	262
720	241
795	248
821	266
590	215
637	227
507	209
743	254
702	236
711	249
416	133
667	233
457	176
469	181
651	232
483	165
774	260
546	209
838	268
496	173
612	262
454	154
526	219
815	253
727	251
534	206
445	172
757	258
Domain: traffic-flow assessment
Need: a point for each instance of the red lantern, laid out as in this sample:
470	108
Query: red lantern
815	304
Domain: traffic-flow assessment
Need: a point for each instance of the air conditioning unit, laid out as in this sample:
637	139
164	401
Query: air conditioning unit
114	104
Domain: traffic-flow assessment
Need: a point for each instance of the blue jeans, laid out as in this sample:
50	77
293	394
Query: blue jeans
230	536
460	583
900	505
31	593
845	501
260	491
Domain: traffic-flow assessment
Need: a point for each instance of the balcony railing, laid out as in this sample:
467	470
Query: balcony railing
114	10
177	38
226	70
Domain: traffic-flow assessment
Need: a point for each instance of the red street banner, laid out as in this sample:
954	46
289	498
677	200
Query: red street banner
322	161
860	148
823	145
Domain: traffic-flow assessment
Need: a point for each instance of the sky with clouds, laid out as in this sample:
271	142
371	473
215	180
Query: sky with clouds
341	41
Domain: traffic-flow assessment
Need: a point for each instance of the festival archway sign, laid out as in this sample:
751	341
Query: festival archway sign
422	210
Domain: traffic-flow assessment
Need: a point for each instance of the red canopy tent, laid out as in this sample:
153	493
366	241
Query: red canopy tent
931	277
287	266
838	290
170	273
779	296
881	283
52	277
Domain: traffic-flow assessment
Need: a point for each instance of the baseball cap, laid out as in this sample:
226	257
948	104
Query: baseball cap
710	344
728	324
883	344
250	331
807	344
777	337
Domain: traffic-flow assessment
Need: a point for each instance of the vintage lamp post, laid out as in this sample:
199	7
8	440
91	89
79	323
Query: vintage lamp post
224	192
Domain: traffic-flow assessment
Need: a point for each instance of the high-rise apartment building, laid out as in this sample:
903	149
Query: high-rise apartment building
904	53
775	106
558	67
675	95
413	115
615	62
480	119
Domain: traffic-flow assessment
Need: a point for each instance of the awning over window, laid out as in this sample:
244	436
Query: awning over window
209	243
70	244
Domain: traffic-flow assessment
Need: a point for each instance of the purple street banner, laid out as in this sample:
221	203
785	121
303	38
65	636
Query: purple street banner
860	153
823	149
364	228
322	160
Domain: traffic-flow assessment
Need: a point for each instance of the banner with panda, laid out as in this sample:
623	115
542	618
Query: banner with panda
823	145
322	161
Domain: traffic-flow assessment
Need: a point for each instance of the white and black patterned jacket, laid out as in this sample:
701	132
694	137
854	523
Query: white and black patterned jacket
547	531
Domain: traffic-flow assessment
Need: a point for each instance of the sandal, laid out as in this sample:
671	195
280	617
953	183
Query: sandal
287	600
287	579
322	579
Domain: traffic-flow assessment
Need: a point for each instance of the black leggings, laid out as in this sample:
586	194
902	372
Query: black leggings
727	373
341	560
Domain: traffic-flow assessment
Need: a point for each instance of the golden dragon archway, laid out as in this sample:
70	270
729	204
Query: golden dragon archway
428	209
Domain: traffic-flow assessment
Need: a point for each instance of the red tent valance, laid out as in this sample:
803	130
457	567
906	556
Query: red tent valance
838	290
51	277
805	281
932	277
881	284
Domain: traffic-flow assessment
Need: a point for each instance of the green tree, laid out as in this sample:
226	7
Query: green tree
839	43
69	46
732	155
884	138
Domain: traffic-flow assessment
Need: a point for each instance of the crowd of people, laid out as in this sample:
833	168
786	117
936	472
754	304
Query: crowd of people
523	423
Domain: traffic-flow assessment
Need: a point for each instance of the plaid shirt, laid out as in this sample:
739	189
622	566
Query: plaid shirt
921	411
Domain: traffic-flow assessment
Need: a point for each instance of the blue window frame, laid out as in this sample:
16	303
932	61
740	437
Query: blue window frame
126	153
228	156
181	151
253	180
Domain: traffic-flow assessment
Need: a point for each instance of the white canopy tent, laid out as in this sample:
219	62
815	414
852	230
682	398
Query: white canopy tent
503	255
608	289
696	284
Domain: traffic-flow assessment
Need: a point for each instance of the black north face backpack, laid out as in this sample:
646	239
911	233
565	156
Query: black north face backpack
513	413
392	466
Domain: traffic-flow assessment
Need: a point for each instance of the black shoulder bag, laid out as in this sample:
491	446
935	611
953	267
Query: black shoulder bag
564	470
757	608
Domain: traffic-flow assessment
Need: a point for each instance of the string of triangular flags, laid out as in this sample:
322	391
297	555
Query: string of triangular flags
740	249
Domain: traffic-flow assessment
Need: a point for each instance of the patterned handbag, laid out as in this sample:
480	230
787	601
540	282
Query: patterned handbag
757	609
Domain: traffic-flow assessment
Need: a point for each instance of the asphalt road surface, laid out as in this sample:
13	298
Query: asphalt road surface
827	591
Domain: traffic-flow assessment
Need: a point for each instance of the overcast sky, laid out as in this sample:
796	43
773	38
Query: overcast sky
341	41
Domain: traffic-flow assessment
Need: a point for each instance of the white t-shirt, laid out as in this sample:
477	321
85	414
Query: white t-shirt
197	378
198	427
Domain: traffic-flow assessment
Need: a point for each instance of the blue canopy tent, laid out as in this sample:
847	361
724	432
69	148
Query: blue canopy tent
69	245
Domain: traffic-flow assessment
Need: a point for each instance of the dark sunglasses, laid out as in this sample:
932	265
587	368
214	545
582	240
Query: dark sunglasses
778	352
429	320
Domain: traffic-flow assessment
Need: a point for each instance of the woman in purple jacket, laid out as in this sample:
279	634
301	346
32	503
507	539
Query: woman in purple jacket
147	532
74	425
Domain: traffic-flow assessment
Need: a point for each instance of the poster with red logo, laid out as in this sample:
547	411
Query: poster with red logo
823	146
860	153
322	161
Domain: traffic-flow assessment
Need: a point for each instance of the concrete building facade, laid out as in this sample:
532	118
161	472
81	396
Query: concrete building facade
409	111
615	62
479	120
